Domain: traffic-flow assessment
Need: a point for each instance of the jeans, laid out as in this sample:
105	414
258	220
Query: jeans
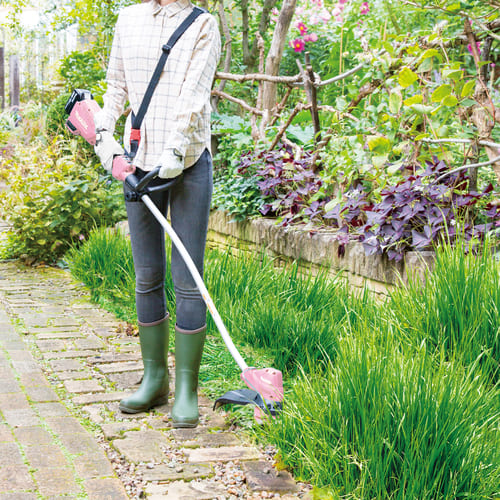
189	205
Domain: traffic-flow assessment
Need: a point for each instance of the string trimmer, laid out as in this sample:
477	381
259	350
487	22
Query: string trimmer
265	384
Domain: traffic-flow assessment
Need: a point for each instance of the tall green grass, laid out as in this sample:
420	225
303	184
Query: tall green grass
457	311
382	425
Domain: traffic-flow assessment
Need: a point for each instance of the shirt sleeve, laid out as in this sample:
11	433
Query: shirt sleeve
197	85
116	93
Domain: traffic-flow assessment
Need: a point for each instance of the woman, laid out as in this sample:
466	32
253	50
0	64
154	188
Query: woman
175	135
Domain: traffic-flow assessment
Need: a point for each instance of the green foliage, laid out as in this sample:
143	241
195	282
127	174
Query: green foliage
456	311
83	70
56	116
383	424
54	201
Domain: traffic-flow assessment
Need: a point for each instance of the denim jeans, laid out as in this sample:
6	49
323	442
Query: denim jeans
189	205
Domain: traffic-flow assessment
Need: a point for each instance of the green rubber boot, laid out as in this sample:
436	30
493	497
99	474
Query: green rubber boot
153	390
188	352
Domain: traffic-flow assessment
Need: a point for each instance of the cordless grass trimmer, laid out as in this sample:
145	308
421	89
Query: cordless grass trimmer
265	384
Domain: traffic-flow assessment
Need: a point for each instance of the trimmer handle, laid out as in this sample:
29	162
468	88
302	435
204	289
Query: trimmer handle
140	187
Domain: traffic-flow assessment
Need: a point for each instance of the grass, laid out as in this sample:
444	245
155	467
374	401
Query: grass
392	401
380	424
457	311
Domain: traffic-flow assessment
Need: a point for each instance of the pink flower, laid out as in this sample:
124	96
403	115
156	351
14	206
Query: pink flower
311	38
342	2
365	8
298	44
478	44
302	28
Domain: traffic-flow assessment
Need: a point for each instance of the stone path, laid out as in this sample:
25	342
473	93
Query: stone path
64	366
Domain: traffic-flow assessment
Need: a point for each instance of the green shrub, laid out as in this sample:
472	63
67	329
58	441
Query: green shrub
82	70
54	201
56	116
380	424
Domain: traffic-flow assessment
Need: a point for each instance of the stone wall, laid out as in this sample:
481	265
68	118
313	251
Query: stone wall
317	251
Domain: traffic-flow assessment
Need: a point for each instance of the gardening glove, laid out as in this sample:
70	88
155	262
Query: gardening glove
171	163
106	148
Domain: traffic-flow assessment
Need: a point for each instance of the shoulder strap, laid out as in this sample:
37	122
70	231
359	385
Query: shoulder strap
137	119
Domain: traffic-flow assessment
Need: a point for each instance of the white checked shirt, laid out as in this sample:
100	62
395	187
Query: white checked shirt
178	115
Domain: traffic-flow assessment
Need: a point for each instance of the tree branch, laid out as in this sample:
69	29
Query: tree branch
240	102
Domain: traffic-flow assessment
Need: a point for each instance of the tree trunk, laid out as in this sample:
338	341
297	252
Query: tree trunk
275	53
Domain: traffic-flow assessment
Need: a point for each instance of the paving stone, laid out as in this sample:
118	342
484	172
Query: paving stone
92	466
103	397
10	454
59	335
41	394
5	434
33	379
125	380
23	416
51	410
9	385
18	495
195	490
15	478
13	401
210	440
65	425
222	454
67	354
115	430
214	420
95	413
111	357
260	476
19	353
185	472
141	446
89	343
120	367
33	436
53	482
49	455
79	443
52	345
83	386
24	366
63	365
74	375
105	489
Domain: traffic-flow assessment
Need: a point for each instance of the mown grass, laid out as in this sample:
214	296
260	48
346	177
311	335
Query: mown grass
399	400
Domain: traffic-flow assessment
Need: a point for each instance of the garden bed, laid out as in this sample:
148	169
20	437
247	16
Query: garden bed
316	251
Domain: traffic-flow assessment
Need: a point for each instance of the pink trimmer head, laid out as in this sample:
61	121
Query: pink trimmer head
268	382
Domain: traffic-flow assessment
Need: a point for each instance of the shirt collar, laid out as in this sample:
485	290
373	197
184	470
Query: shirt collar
171	9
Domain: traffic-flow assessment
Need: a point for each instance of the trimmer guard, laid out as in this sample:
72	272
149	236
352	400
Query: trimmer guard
266	392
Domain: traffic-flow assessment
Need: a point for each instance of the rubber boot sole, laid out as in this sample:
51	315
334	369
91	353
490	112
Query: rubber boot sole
157	402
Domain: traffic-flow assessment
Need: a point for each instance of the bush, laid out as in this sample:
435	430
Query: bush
57	116
54	201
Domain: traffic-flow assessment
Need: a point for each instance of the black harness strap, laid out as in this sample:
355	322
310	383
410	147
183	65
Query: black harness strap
135	135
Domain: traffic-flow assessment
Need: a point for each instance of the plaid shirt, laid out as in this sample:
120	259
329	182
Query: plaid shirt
179	112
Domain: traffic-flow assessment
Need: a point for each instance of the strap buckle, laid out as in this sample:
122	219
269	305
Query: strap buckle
166	48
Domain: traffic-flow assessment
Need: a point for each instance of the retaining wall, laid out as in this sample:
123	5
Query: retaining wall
317	251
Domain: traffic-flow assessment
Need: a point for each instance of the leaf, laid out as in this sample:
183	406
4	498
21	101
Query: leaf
380	160
416	99
407	77
379	144
422	109
441	92
468	88
450	101
431	53
395	101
